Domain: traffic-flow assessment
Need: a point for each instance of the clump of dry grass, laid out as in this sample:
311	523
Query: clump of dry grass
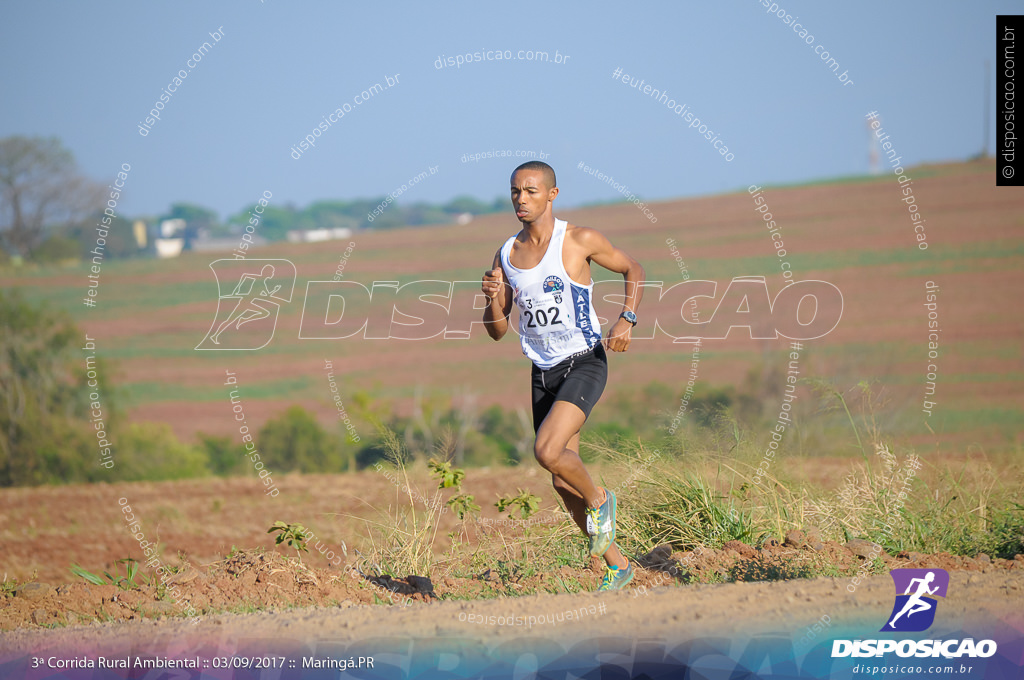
894	499
402	541
702	499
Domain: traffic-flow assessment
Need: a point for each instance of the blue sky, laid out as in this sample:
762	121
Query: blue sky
88	73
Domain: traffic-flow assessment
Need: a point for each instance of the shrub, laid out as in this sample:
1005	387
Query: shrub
46	431
56	249
151	452
295	441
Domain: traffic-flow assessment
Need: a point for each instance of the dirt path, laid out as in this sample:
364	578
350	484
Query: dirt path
704	625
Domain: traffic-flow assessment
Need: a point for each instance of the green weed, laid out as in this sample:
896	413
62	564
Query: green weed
295	535
125	582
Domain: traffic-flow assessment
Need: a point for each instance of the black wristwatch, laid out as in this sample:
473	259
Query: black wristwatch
628	316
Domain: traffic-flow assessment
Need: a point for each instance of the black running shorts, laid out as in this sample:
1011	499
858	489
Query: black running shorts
578	380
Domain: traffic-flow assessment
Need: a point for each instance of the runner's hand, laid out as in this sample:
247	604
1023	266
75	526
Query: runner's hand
492	282
619	336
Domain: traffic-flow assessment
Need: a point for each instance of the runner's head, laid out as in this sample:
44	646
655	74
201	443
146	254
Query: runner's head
533	190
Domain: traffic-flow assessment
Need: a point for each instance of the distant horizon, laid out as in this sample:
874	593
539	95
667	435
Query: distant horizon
563	204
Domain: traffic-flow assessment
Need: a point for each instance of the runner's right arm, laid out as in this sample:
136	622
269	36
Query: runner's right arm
496	288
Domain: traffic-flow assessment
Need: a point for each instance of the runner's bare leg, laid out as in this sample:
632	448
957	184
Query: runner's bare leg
557	451
577	509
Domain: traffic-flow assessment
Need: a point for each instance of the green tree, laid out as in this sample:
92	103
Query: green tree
424	213
196	217
510	432
120	241
275	222
295	441
225	456
47	433
40	188
193	214
333	215
465	204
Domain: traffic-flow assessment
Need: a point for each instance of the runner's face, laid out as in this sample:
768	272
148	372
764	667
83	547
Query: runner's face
530	196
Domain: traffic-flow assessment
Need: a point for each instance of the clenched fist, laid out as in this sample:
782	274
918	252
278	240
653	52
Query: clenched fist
619	336
492	283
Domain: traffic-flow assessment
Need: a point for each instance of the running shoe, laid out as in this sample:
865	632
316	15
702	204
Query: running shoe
616	579
601	525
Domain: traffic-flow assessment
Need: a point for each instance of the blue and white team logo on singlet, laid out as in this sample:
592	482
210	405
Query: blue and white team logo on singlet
582	310
553	284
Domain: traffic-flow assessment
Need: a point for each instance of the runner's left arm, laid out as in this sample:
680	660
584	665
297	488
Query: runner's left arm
601	251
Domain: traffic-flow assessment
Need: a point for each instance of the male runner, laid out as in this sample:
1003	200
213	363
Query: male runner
545	270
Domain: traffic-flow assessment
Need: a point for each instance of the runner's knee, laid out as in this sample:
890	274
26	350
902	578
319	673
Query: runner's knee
546	453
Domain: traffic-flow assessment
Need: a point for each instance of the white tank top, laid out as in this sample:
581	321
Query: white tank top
556	314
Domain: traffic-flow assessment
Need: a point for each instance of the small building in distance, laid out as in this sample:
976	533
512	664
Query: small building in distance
317	235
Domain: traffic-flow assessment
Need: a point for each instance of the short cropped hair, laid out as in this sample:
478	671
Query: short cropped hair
549	172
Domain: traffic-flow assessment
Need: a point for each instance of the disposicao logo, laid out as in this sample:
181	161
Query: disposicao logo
914	611
258	289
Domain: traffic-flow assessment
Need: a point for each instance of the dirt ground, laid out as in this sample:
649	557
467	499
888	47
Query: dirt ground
265	579
635	624
214	539
234	593
45	530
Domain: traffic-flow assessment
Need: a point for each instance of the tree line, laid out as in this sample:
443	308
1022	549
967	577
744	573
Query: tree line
49	210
